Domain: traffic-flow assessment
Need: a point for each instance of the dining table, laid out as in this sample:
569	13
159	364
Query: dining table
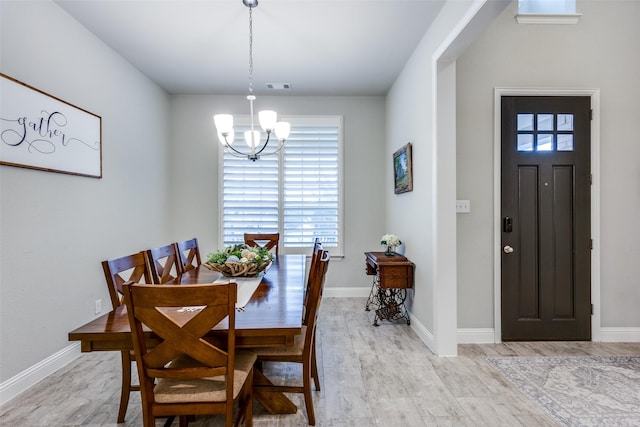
271	318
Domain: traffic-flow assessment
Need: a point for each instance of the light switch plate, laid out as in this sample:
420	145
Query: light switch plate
463	206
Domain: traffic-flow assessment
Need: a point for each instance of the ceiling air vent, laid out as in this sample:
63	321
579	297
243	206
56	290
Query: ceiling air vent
278	86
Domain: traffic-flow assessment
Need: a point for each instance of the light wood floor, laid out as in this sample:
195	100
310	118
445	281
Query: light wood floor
370	376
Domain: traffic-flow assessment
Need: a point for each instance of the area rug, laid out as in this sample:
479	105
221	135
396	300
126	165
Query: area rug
579	391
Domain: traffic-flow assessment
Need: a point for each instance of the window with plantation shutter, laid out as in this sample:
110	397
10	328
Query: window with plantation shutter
251	196
297	192
311	186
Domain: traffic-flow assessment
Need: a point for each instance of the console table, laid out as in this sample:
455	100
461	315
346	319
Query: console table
392	276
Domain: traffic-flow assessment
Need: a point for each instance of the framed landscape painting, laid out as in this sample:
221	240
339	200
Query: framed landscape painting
402	170
40	131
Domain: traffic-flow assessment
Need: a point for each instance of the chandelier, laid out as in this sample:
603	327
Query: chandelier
268	119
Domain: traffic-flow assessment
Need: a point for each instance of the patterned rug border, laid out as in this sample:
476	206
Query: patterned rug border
513	368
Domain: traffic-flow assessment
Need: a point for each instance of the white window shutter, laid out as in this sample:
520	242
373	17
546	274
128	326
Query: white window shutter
304	204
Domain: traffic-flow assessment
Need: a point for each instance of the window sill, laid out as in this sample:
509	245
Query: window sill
541	18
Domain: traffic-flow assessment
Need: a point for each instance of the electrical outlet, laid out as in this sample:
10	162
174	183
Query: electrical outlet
463	206
98	306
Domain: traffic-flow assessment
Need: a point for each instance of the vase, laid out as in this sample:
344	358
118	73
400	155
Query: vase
389	251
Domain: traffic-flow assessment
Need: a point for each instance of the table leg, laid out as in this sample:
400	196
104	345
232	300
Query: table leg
273	401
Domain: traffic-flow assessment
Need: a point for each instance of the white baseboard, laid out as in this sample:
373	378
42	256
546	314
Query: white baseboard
25	379
425	334
628	334
476	336
347	292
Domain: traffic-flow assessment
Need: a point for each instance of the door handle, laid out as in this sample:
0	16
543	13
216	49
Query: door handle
507	249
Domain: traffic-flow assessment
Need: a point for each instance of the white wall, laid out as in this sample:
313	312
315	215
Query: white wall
410	215
600	52
55	229
420	110
195	170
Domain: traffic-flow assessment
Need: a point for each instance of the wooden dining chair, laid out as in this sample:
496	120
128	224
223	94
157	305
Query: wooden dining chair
189	254
304	344
315	257
130	268
164	263
184	374
269	241
317	247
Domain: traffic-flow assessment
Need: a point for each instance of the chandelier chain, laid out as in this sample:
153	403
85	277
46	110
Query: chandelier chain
268	118
250	51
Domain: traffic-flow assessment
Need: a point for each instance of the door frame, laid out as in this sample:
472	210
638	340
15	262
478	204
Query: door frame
594	94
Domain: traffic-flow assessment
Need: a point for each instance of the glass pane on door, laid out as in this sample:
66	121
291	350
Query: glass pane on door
565	142
565	121
525	142
525	122
545	142
545	121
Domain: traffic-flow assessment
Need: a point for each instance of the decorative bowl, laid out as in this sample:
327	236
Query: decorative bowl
239	269
239	261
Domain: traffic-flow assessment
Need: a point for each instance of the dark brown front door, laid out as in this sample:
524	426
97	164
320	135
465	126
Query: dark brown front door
546	219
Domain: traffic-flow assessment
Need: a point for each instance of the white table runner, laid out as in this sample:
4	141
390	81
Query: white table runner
246	287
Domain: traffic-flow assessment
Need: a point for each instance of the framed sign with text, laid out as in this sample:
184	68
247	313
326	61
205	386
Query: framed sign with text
40	131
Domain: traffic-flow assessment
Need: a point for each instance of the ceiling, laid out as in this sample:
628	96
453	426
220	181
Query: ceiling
319	47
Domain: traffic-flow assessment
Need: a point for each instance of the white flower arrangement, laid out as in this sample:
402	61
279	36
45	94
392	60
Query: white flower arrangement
390	240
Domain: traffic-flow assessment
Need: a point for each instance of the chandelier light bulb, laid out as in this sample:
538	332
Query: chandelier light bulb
282	130
223	122
268	119
252	138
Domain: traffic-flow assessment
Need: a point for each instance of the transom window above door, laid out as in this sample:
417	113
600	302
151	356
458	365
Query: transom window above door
547	12
545	132
557	7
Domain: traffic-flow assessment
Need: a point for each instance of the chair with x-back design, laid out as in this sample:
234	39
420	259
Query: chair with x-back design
269	241
164	263
184	374
130	268
189	254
